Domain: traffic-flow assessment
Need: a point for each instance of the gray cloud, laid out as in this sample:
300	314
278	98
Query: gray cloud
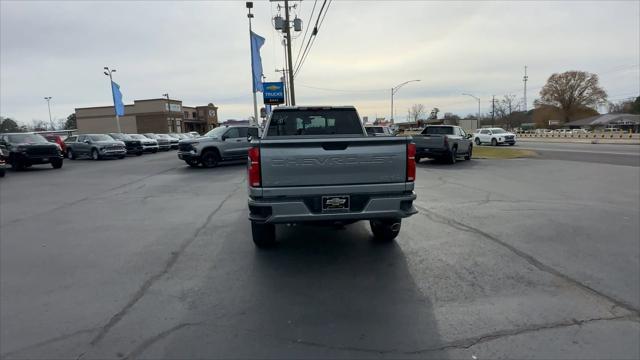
198	52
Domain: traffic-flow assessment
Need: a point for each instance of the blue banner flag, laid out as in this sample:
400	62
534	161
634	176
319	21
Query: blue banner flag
117	98
256	62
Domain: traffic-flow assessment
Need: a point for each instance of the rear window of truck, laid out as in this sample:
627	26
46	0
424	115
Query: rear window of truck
438	130
314	122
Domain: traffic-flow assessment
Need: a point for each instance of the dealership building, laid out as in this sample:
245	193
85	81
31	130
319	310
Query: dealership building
148	116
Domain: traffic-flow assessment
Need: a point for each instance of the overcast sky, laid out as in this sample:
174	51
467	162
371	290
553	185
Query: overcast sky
198	52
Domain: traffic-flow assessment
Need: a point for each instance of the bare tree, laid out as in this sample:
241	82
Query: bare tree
38	125
416	112
572	91
505	108
434	113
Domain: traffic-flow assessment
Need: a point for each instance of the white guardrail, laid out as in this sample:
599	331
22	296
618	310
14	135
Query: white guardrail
591	135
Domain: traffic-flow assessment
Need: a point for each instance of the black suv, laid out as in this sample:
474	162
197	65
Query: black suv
26	149
133	146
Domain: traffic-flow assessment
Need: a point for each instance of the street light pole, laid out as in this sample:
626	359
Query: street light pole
168	111
478	119
48	98
395	90
108	72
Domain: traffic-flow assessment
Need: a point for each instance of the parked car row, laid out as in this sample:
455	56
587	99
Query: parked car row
23	150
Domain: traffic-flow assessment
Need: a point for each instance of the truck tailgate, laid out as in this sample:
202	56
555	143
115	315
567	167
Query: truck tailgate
333	161
431	141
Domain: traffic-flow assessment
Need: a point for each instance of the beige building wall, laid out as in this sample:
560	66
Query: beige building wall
150	106
106	124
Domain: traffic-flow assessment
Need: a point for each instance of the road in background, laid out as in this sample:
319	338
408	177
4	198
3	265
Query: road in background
146	257
599	153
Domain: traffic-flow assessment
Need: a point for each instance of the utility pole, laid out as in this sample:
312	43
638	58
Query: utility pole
108	72
284	81
493	110
287	32
525	79
48	98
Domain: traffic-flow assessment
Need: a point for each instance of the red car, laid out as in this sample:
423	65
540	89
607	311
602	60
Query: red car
58	140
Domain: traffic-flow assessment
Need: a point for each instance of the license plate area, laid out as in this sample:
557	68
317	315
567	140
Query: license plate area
336	203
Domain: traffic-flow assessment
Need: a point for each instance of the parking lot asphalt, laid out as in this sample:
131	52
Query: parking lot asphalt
148	258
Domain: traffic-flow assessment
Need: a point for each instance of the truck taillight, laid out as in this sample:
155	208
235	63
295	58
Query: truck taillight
254	167
411	162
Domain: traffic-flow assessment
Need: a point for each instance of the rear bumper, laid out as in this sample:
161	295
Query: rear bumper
427	152
301	209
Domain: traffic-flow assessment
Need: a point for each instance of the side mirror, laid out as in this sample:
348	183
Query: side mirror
224	137
87	141
469	136
249	138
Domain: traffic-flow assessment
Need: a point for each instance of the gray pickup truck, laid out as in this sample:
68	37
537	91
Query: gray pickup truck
316	164
224	143
443	142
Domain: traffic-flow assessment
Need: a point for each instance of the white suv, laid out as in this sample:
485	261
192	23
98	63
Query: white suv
494	136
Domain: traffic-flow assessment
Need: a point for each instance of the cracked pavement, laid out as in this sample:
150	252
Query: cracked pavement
148	258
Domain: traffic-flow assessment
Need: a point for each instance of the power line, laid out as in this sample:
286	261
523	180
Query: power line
314	35
306	30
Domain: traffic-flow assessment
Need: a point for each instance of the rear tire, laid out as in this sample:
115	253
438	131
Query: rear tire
469	154
264	235
209	158
57	163
385	230
453	155
70	154
477	141
95	155
494	142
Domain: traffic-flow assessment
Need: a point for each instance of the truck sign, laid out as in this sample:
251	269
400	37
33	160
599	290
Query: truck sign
273	93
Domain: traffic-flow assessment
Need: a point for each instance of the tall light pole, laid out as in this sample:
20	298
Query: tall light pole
394	90
48	98
525	79
249	5
108	72
168	111
478	118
